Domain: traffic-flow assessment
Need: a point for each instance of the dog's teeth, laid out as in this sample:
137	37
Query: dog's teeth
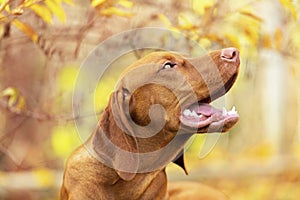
232	111
224	112
194	114
187	112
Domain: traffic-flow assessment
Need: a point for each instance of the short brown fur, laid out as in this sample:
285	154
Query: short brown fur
86	177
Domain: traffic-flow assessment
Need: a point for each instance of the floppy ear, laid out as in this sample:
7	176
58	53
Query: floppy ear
179	160
126	160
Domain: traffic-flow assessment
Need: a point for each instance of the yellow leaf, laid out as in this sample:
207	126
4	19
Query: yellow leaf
4	5
44	177
193	34
278	37
2	29
42	11
289	5
12	94
25	28
205	43
175	32
214	37
233	40
67	78
251	15
266	41
96	3
294	36
125	3
64	139
262	151
115	11
28	3
164	19
3	19
70	2
56	9
17	11
21	104
104	88
200	6
16	102
251	30
184	22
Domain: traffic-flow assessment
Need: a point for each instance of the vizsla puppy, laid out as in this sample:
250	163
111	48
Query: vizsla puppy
158	104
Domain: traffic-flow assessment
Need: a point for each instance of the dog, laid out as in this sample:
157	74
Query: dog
159	102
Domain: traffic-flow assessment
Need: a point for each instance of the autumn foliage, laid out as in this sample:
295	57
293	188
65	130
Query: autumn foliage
44	42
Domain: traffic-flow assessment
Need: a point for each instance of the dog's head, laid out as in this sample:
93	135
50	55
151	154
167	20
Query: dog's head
164	95
183	89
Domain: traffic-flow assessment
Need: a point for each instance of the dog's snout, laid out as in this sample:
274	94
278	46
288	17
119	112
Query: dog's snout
230	54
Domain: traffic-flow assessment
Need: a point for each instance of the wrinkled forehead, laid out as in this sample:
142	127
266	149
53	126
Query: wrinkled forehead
154	60
159	55
145	70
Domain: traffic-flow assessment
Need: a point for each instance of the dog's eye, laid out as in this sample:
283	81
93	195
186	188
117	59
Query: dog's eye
169	65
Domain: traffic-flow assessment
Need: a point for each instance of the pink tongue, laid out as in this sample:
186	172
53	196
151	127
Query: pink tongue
203	108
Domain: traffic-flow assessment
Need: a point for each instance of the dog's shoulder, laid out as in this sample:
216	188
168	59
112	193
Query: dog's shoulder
84	167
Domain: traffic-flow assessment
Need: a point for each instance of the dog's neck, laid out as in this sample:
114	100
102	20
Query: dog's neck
108	131
122	135
162	147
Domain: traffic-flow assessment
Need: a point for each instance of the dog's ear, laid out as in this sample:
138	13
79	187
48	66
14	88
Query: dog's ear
126	160
113	142
179	160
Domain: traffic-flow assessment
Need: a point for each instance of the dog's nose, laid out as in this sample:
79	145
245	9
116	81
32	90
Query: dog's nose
230	54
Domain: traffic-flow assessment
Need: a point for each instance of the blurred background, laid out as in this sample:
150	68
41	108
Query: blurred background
44	42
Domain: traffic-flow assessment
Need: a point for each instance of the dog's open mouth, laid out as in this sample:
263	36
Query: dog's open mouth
200	115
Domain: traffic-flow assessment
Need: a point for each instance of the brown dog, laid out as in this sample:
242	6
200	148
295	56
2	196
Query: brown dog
159	102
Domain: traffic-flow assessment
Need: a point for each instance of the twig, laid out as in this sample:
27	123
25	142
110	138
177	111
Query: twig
82	34
3	5
45	116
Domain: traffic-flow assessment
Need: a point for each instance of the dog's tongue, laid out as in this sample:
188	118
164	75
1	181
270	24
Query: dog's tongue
203	108
200	115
